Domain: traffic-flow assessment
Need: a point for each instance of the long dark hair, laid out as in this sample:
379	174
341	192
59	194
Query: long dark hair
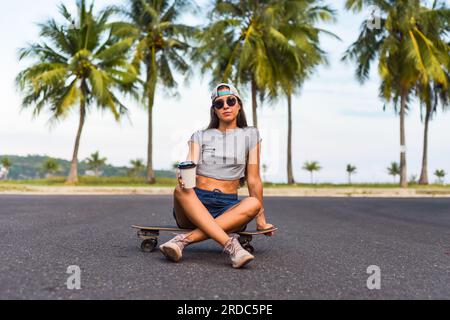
241	123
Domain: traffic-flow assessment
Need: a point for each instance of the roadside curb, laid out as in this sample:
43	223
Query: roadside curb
268	192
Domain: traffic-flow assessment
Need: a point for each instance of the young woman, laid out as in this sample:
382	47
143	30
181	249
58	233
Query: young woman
227	154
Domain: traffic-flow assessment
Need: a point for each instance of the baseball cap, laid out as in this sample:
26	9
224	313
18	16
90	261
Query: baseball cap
233	91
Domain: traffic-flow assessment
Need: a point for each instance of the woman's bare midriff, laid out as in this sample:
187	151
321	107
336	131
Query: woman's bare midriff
210	184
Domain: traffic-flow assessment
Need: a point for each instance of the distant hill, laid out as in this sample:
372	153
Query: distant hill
31	167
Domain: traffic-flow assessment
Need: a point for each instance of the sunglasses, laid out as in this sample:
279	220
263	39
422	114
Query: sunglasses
219	104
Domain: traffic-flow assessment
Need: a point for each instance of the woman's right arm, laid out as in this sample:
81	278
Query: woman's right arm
194	152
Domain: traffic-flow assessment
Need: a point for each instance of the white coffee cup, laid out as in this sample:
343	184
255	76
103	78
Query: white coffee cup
188	172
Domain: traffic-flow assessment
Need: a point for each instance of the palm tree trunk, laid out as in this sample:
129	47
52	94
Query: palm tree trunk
73	173
289	151
150	172
424	173
254	104
403	171
151	83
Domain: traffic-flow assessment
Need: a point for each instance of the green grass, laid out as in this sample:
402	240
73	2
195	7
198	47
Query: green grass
95	182
354	186
170	182
9	188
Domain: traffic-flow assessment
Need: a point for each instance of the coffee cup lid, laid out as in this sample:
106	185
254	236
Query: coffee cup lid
187	165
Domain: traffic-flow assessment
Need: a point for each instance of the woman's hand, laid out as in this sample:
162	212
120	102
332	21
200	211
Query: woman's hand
180	181
261	223
266	226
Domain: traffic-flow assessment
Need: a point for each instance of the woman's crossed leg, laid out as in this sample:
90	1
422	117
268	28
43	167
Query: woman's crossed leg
191	213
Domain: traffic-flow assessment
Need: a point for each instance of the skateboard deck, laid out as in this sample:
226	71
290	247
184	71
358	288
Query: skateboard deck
150	236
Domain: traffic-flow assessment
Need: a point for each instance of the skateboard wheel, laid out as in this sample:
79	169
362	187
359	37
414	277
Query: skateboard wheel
249	248
244	240
149	245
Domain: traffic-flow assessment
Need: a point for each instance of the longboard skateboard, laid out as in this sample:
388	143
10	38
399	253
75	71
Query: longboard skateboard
150	236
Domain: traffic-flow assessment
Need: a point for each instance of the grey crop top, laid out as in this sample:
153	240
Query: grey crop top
224	155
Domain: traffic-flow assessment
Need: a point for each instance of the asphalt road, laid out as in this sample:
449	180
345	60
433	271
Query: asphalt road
322	251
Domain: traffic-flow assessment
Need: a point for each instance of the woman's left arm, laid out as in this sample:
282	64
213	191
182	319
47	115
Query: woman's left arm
255	186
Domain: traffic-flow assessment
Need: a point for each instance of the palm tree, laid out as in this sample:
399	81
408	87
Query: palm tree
160	47
433	93
311	167
95	162
407	53
394	169
50	167
440	174
6	164
137	167
78	63
271	45
431	96
350	171
296	53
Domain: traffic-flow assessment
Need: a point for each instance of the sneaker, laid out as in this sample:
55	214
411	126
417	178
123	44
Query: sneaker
238	255
173	250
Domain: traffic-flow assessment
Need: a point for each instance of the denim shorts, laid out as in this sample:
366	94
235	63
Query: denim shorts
215	201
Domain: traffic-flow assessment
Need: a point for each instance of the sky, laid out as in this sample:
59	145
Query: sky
336	120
